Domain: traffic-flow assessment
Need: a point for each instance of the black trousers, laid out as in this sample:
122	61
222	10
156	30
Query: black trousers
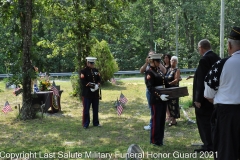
158	123
226	132
86	107
203	118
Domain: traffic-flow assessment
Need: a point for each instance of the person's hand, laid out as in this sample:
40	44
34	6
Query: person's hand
189	77
197	104
96	87
36	69
164	97
91	85
146	60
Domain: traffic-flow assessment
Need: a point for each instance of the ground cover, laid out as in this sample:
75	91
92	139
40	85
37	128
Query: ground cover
61	135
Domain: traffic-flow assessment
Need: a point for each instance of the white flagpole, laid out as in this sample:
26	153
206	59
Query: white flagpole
222	29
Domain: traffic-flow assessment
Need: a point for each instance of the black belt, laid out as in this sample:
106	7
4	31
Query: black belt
226	105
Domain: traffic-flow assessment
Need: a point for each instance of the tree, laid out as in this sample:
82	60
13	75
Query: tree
105	60
25	13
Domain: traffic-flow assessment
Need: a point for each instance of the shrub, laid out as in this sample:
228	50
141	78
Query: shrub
105	63
75	81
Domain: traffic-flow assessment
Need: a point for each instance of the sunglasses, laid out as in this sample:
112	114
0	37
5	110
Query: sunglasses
91	62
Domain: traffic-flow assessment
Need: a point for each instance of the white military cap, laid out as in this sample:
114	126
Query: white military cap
91	59
154	56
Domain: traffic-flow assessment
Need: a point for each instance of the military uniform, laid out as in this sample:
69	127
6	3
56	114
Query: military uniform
154	79
90	78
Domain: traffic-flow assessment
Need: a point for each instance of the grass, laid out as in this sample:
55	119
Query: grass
61	136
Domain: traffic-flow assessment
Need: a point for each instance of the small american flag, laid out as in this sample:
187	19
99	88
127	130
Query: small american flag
119	108
17	91
113	80
123	99
7	108
55	90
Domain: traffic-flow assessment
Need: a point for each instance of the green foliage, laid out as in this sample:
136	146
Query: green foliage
76	87
105	62
62	31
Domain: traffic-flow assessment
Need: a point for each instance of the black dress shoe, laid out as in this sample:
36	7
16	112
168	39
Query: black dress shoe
157	144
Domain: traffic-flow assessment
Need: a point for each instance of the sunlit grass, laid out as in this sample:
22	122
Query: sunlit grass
62	132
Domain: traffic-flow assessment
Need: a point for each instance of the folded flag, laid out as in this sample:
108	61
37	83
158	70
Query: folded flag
7	108
17	91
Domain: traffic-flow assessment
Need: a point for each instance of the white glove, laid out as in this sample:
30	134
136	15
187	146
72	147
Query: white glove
164	97
95	88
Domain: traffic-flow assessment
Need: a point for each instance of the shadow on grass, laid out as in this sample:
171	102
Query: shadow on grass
117	86
64	133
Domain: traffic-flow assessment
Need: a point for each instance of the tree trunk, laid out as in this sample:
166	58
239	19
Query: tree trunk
189	38
25	7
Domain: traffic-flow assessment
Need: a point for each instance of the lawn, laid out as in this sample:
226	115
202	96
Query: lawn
61	136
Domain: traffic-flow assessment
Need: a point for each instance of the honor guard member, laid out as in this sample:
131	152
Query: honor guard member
90	82
222	88
143	69
154	79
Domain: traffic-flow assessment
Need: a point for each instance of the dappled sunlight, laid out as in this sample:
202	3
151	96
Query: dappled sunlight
105	140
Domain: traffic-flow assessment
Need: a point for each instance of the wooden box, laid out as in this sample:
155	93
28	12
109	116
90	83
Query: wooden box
175	92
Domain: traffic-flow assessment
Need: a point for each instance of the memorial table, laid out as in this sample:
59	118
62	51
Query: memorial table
49	99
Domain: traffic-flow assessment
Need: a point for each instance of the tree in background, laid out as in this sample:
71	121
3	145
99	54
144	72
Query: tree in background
105	63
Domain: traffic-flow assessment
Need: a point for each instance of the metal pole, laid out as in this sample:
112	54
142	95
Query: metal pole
222	29
176	33
155	49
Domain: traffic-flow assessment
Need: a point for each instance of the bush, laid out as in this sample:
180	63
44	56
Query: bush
75	81
105	63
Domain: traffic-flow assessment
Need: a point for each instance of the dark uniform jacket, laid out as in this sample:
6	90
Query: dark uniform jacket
154	77
205	64
89	75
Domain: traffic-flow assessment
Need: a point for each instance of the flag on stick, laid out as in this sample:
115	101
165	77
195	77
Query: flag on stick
119	108
53	83
17	91
113	80
7	108
54	89
123	99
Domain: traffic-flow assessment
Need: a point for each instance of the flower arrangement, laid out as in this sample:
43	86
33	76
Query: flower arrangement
44	82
